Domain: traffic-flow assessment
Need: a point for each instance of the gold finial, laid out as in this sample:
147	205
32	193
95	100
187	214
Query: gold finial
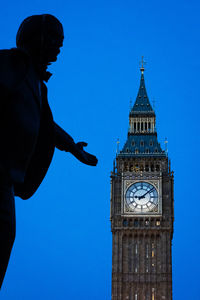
142	63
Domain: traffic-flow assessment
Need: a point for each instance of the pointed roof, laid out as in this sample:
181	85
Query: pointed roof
142	140
142	145
142	103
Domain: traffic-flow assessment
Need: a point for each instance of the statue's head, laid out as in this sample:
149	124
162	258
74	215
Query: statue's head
41	36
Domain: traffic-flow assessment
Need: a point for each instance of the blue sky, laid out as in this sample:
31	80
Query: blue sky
63	243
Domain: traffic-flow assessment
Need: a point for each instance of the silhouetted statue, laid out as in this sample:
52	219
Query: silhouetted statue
28	133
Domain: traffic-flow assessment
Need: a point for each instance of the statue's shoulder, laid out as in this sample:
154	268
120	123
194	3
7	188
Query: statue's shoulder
14	65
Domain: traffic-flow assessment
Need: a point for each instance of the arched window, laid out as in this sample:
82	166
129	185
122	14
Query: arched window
157	168
142	143
125	167
147	257
125	223
147	150
136	151
153	294
157	222
136	262
153	258
133	143
147	250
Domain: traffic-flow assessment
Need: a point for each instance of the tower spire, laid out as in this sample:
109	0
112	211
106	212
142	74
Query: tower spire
142	103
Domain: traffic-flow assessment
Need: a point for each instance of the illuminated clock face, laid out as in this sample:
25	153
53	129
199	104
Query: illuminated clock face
142	197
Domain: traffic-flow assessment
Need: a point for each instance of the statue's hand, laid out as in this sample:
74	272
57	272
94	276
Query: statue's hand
82	155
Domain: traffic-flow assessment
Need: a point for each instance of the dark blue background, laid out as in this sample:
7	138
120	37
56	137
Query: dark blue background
63	243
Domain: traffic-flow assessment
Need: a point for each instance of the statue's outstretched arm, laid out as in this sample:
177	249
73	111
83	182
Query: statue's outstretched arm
64	142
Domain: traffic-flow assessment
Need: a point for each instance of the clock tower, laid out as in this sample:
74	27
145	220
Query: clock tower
142	211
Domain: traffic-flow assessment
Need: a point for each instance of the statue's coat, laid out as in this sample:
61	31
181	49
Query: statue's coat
26	123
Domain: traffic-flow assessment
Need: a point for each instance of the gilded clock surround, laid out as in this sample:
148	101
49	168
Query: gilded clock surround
126	183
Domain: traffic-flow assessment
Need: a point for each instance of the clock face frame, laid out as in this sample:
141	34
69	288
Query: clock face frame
142	197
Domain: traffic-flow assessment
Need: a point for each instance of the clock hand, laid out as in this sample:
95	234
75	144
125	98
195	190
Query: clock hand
140	197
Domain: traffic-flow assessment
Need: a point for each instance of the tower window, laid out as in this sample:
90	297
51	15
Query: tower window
142	126
127	150
125	223
153	294
133	143
158	223
126	167
147	150
151	143
145	125
157	168
136	223
146	168
136	248
134	126
138	126
152	168
147	251
152	252
141	223
136	151
142	168
142	143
